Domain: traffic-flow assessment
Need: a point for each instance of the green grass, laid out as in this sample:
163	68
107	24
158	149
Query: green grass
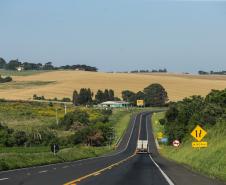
21	73
210	161
121	121
23	84
25	115
40	156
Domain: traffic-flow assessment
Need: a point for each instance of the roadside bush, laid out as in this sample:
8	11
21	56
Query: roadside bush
42	137
99	134
20	138
74	119
6	79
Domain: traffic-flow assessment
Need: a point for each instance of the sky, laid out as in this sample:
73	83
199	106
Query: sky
116	35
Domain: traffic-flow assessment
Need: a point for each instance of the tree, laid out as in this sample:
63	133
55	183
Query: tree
106	95
75	98
20	137
75	119
99	97
111	95
129	96
140	95
155	95
48	66
2	63
13	64
85	96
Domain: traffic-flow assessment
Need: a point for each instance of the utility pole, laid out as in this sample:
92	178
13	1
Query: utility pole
65	109
57	122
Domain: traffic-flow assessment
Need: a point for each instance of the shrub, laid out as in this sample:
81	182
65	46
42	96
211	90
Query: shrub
20	138
73	119
6	79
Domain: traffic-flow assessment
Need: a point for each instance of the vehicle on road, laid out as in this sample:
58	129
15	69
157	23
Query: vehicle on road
142	146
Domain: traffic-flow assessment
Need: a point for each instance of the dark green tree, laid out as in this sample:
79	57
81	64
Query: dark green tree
77	118
75	98
100	97
2	63
106	95
140	95
13	64
129	96
155	95
85	96
111	95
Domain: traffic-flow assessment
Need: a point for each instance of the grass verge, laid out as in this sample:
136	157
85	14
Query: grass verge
209	161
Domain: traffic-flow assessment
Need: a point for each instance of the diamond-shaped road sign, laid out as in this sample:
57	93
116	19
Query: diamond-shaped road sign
198	133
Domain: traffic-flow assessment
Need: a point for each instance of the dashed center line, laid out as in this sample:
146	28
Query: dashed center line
65	167
3	179
44	171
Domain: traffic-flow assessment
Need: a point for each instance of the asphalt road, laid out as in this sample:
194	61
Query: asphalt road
120	168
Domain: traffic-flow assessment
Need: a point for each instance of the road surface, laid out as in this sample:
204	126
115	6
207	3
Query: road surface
122	167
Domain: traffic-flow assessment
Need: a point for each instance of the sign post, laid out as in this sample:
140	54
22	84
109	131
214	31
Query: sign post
55	148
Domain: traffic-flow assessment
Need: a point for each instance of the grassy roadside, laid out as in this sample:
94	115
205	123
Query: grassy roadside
19	157
210	161
121	122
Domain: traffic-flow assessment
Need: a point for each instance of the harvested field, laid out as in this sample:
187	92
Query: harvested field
177	85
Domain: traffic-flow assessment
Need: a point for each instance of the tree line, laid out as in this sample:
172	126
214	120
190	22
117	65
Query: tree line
149	71
86	97
212	73
14	64
153	95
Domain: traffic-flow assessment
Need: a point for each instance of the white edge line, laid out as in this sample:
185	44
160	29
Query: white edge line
72	162
162	172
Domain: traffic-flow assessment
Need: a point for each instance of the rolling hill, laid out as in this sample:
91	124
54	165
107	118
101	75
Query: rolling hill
62	83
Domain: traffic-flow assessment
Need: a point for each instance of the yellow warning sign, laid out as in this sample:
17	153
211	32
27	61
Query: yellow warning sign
159	135
198	133
201	144
140	102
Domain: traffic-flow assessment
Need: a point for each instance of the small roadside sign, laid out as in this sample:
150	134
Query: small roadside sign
164	140
176	143
55	148
140	102
201	144
198	133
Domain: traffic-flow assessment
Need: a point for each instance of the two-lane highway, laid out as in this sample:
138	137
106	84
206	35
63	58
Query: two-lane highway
62	173
137	170
121	167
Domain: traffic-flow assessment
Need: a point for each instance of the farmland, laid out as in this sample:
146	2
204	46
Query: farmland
34	116
62	83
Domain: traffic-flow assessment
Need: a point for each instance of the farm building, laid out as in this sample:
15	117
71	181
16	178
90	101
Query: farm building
114	104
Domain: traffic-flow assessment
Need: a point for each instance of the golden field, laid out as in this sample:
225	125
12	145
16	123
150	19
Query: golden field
178	86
